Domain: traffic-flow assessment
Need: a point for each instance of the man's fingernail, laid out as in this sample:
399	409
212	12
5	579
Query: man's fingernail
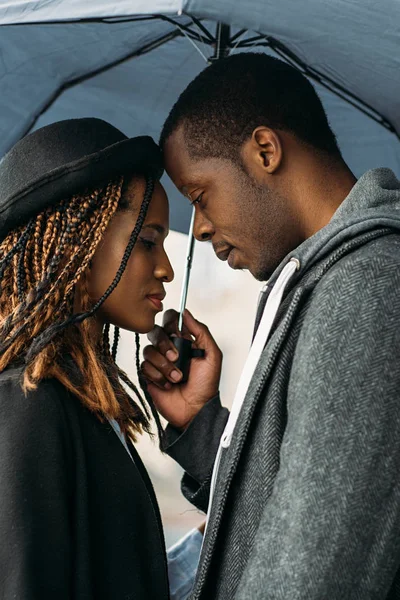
167	386
176	376
171	355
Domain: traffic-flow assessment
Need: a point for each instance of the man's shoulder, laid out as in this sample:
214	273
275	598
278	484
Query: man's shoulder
385	246
365	279
373	256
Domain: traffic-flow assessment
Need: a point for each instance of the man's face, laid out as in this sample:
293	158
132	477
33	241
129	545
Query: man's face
248	224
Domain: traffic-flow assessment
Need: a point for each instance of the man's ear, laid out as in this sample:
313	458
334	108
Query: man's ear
268	146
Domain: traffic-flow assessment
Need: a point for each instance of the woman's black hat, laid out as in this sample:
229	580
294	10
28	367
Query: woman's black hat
65	158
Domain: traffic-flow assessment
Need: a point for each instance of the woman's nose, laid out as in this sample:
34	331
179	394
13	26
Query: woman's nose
164	270
203	230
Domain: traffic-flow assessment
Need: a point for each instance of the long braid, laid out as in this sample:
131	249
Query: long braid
14	267
124	377
147	395
29	284
121	374
6	261
21	275
6	280
38	236
22	261
106	336
115	343
31	300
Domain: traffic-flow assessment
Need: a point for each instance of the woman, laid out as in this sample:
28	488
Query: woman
82	225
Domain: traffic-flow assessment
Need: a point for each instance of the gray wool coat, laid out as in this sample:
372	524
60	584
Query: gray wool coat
307	503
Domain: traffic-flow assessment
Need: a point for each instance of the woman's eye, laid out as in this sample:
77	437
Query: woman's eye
148	244
198	199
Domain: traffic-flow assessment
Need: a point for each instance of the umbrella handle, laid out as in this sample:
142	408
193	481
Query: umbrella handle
186	353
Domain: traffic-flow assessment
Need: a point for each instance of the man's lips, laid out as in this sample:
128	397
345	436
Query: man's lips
224	254
228	254
231	259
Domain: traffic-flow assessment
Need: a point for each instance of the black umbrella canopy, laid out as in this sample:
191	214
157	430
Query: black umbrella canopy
70	59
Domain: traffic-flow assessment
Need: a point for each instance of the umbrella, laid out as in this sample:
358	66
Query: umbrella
127	61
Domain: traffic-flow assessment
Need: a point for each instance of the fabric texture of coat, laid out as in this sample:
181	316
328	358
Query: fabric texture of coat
307	501
78	517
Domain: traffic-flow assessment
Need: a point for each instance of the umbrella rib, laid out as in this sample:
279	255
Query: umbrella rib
84	20
189	34
147	48
193	44
117	20
342	92
251	41
237	35
329	83
203	29
185	28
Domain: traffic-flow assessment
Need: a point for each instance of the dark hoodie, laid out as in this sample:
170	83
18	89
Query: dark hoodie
307	499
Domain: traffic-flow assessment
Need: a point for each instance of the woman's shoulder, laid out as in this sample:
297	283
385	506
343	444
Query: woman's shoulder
12	379
45	404
35	434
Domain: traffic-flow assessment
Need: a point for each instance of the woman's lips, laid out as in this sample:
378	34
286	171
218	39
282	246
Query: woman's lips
156	302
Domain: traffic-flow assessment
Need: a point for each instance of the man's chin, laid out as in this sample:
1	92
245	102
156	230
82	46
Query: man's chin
261	274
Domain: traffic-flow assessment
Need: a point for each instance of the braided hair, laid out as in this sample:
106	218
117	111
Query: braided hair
41	265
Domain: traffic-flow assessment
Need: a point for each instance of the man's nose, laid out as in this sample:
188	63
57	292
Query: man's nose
203	229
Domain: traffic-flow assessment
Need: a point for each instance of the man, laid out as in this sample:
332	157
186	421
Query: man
306	504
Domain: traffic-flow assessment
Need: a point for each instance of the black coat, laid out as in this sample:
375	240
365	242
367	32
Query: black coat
78	518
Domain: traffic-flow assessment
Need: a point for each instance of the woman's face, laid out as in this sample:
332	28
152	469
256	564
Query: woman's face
138	296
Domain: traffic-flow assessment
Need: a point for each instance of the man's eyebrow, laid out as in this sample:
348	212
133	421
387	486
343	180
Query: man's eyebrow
184	191
159	228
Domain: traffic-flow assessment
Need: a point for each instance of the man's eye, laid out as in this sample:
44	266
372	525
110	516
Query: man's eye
198	199
148	244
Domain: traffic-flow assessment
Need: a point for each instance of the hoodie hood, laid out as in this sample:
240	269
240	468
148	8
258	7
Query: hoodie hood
374	202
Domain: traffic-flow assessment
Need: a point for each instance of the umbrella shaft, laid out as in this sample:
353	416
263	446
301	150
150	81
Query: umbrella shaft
186	277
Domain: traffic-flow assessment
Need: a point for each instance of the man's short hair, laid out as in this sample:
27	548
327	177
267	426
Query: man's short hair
223	105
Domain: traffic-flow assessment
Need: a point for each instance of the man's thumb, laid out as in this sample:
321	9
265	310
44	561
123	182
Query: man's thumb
199	331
